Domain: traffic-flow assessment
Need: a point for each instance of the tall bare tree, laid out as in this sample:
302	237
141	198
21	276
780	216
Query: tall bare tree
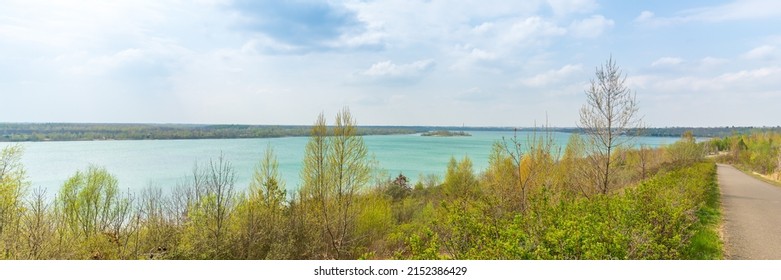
608	117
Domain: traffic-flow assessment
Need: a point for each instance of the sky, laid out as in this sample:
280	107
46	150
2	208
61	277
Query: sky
448	63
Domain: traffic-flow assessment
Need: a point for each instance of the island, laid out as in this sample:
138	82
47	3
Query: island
445	133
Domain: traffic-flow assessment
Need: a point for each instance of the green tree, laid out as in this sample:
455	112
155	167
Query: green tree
335	170
399	188
260	215
315	192
571	167
460	180
13	187
686	150
95	212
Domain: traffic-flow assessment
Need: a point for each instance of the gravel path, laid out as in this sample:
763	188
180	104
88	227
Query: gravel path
752	216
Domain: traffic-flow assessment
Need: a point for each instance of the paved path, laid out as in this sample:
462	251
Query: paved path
752	215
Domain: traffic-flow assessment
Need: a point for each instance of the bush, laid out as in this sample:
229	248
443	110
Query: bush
665	217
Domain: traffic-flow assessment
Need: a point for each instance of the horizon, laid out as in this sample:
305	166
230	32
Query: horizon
384	125
473	64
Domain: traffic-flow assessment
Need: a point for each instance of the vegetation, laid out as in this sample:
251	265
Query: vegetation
18	132
527	205
15	132
445	133
758	152
530	203
696	131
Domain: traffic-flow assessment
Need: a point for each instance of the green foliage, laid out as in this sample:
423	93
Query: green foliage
657	219
399	188
13	187
686	150
502	183
460	180
258	222
95	214
335	170
759	152
210	211
159	234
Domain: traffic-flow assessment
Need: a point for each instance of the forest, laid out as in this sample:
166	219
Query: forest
21	132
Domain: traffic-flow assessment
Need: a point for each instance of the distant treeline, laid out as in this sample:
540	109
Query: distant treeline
445	133
19	132
695	131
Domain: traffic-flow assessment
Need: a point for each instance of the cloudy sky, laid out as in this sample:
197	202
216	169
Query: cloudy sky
477	63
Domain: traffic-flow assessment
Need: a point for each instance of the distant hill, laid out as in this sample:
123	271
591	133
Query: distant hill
15	132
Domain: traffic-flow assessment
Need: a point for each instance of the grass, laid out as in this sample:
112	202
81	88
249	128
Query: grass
756	175
706	243
763	178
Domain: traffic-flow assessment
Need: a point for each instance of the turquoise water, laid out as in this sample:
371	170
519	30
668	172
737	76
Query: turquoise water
164	163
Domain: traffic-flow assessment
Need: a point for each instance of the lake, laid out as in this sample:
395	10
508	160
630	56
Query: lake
141	163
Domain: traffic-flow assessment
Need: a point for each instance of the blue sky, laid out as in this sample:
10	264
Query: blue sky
477	63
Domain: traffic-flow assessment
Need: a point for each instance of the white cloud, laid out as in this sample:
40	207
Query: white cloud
712	61
172	61
553	76
533	30
389	72
746	82
388	68
749	76
640	81
645	16
483	27
590	27
474	94
567	7
735	10
667	61
761	52
469	58
444	21
479	54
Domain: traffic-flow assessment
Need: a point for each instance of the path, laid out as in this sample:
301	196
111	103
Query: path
752	215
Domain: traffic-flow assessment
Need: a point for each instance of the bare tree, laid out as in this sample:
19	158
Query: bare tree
37	225
530	160
608	116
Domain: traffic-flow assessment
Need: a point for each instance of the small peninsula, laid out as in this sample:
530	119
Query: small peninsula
445	133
